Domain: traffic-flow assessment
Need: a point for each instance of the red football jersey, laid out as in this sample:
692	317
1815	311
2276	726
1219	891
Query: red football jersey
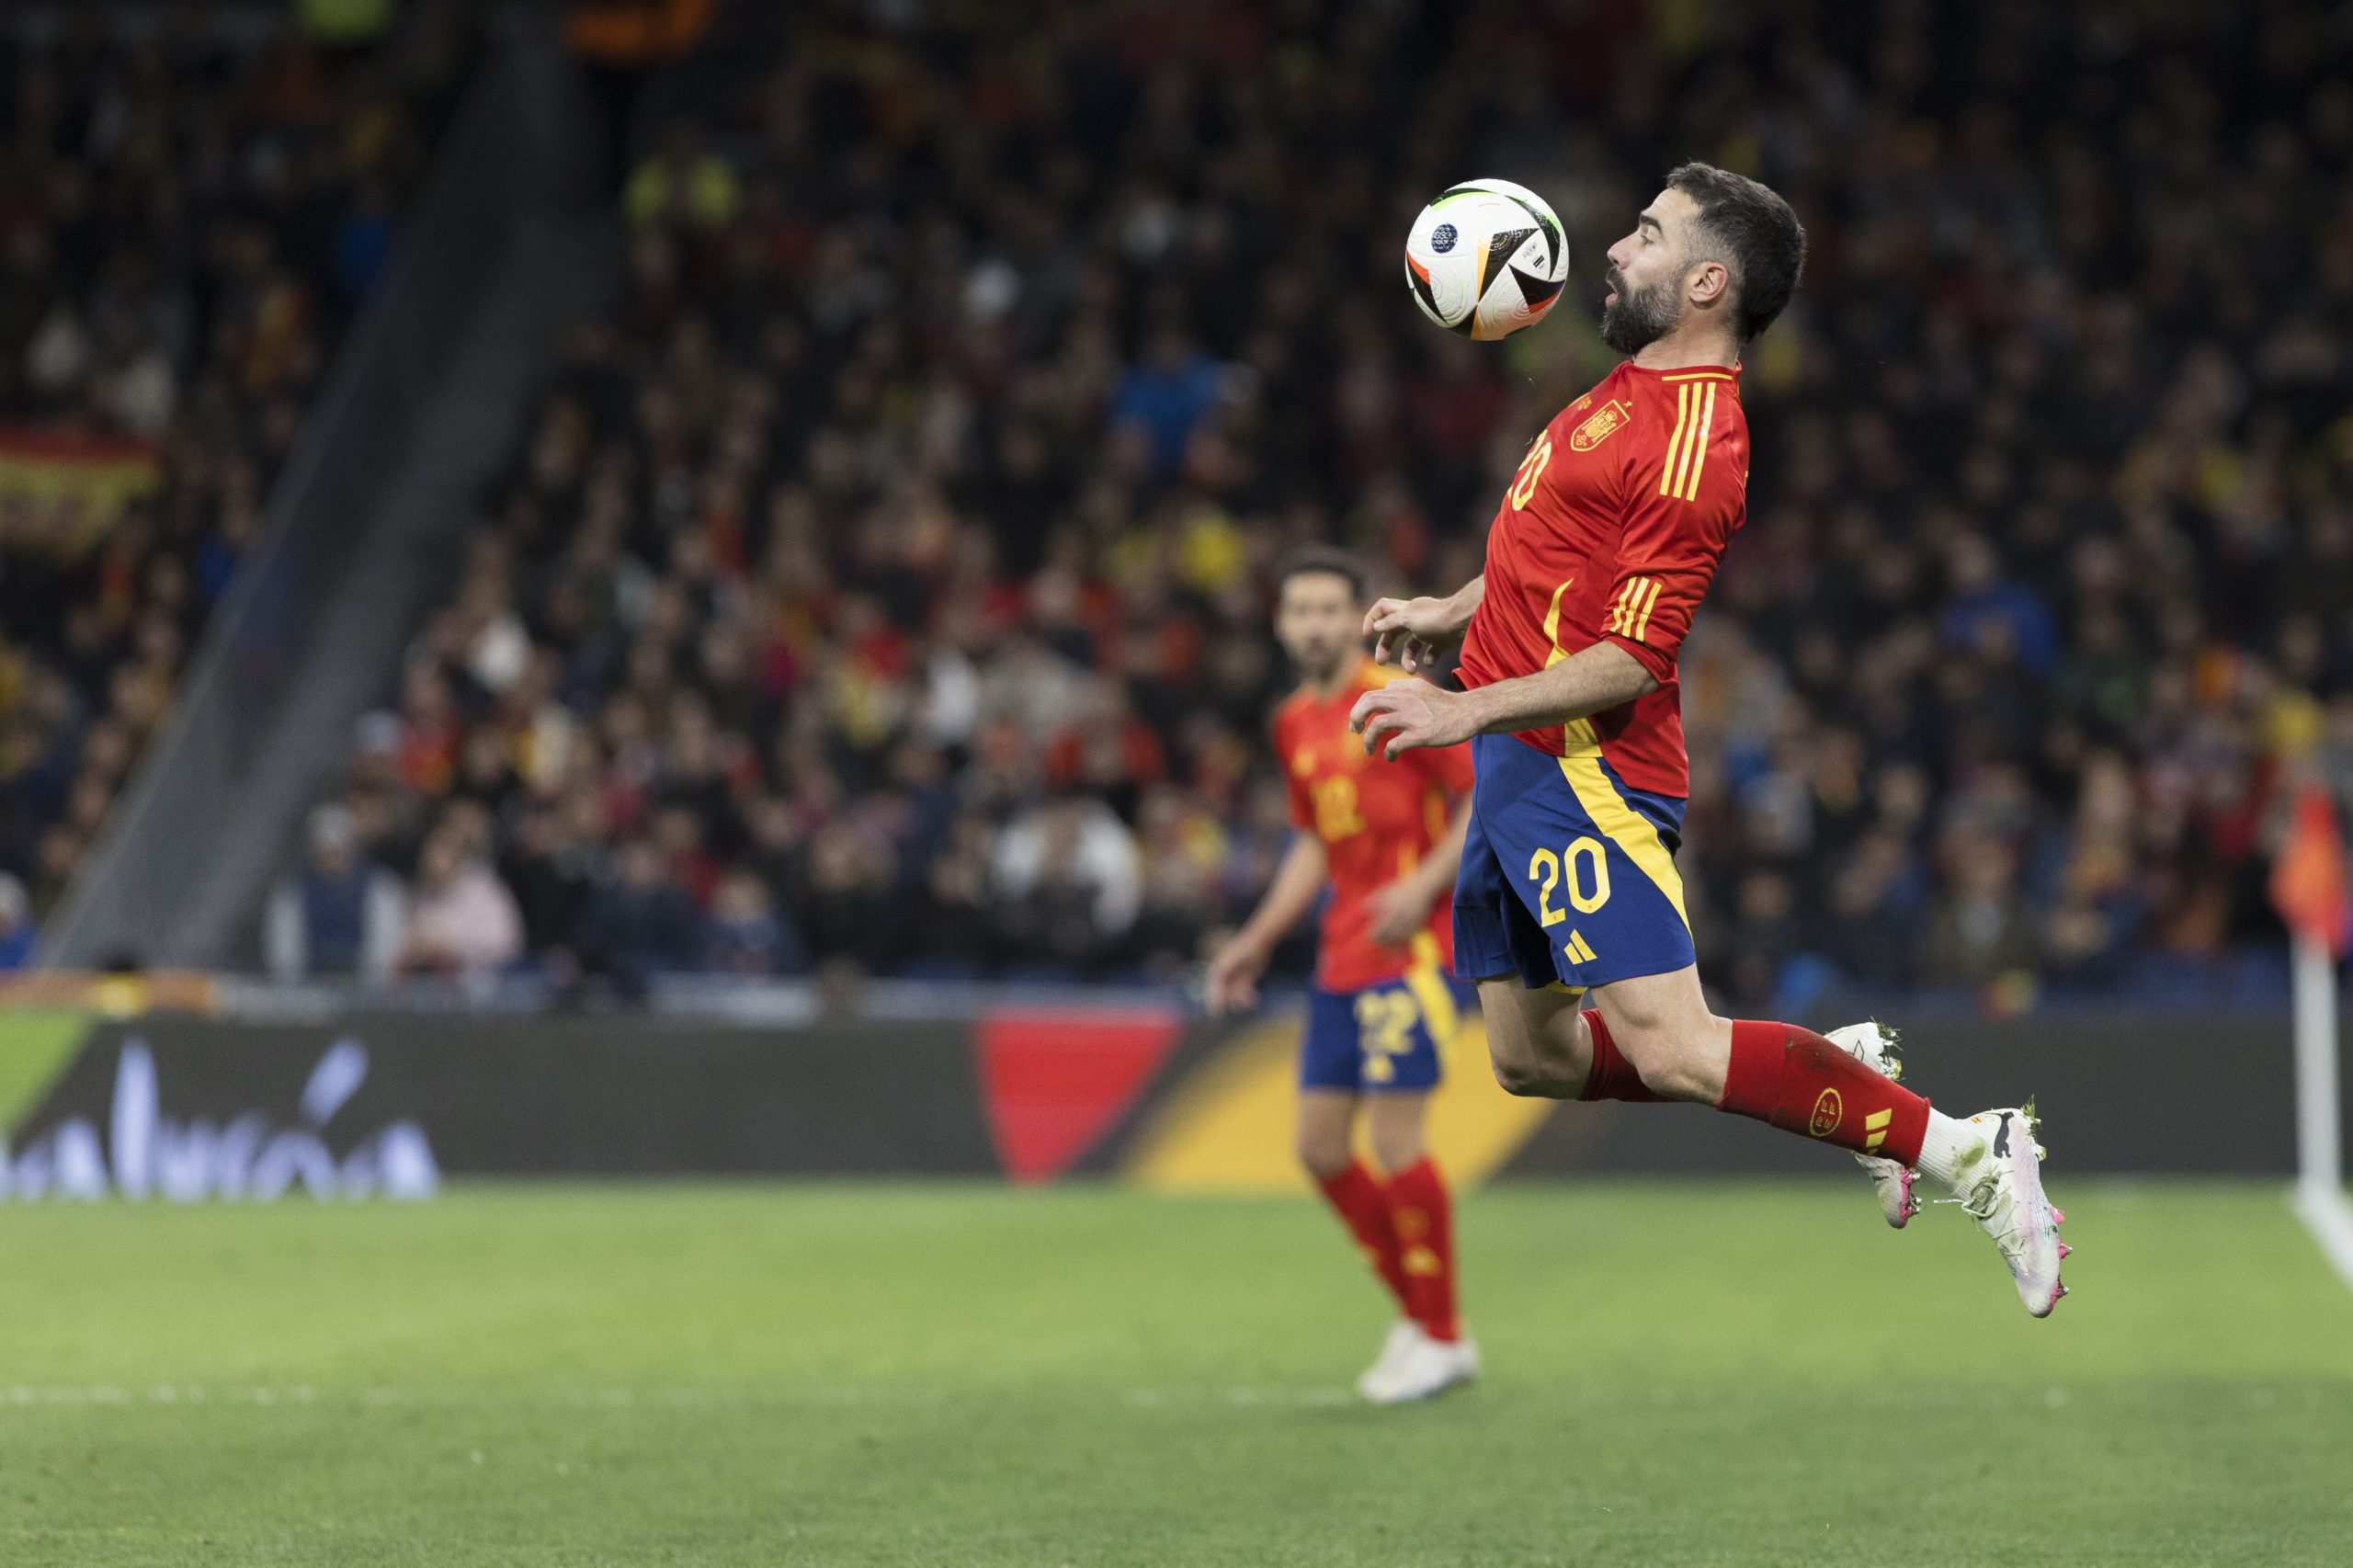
1613	528
1377	819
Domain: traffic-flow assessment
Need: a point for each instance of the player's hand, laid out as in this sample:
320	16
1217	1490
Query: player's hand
1412	634
1409	713
1233	981
1396	911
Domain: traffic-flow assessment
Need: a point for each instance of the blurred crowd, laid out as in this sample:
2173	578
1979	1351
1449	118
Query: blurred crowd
884	582
192	206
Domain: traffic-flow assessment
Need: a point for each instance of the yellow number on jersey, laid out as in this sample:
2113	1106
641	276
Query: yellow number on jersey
1531	469
1335	808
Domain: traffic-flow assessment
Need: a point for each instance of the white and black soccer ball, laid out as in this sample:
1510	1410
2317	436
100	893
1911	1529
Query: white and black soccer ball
1486	258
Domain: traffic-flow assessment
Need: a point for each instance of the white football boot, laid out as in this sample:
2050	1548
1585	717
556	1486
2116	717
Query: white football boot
2004	1195
1426	1368
1873	1044
1401	1335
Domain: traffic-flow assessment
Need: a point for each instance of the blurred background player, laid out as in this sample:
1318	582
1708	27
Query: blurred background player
1386	837
1604	545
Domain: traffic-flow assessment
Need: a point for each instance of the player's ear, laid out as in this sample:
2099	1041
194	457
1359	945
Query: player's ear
1706	282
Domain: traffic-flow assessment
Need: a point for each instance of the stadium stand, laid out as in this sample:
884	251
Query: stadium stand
192	208
883	583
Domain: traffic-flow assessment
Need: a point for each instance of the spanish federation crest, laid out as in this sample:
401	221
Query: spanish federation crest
1605	423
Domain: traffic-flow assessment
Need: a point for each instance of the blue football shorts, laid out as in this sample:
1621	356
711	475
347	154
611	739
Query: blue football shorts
1393	1036
1568	877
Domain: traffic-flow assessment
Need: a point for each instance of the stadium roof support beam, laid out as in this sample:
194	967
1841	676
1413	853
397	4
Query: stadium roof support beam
511	239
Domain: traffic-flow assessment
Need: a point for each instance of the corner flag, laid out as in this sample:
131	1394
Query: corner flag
2309	886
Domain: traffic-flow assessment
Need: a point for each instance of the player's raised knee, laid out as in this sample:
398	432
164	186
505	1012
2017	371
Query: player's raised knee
1535	1043
1669	1066
1518	1076
1530	1078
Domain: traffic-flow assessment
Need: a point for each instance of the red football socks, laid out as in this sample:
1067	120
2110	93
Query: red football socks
1611	1077
1363	1206
1423	1217
1800	1083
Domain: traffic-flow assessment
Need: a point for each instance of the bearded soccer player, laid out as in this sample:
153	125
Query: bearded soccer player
1386	837
1568	893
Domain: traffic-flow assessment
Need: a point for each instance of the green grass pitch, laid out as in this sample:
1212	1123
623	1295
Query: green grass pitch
1726	1373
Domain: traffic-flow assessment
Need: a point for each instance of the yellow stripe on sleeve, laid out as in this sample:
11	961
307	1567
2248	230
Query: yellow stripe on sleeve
1674	441
1633	605
1650	602
1694	449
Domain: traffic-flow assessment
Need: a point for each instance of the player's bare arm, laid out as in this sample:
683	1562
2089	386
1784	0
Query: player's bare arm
1414	634
1406	714
1232	979
1404	906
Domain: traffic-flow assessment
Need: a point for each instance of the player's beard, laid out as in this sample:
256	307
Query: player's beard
1635	319
1325	668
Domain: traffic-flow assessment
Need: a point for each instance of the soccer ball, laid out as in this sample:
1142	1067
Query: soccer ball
1486	258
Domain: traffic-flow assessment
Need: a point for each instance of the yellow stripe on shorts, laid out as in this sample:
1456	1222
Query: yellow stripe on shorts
1426	981
1626	828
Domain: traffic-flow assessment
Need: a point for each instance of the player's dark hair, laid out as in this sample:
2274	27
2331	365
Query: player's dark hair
1760	237
1324	558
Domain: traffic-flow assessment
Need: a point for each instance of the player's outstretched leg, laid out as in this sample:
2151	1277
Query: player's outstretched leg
1873	1044
1610	1078
1672	1045
1990	1163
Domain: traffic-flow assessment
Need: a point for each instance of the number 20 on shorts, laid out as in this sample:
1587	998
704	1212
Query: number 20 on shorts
1584	861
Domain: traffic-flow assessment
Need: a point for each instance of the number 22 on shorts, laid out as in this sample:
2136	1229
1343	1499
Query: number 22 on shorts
1385	1022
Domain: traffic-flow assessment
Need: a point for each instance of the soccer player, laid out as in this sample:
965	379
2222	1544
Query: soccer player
1386	837
1597	559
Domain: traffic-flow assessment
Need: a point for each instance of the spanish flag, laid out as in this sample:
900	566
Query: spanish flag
2308	881
94	476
